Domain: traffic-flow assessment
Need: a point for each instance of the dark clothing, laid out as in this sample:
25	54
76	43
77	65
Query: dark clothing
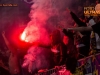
82	45
77	20
60	56
80	23
70	47
68	33
96	28
86	38
4	71
71	64
86	42
71	61
63	54
83	52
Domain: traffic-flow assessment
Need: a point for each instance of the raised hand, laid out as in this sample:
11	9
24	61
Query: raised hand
5	39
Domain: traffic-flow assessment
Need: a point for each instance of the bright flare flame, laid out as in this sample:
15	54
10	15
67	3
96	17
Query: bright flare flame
31	34
23	36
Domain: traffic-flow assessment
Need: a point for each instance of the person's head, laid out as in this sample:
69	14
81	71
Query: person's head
65	40
55	37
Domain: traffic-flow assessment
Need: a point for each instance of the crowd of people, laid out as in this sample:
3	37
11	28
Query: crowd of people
78	42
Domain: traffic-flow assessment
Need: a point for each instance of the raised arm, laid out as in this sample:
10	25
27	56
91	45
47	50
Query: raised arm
76	19
81	29
8	44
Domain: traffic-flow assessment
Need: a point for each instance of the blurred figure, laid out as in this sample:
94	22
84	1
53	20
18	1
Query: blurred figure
58	48
81	43
13	59
72	53
94	38
95	28
81	39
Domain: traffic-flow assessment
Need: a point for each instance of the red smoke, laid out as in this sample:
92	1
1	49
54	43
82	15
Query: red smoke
30	34
35	34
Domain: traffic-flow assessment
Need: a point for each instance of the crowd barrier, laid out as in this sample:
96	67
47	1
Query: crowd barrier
87	66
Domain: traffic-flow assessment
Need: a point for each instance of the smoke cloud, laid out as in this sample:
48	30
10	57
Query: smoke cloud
37	58
46	16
